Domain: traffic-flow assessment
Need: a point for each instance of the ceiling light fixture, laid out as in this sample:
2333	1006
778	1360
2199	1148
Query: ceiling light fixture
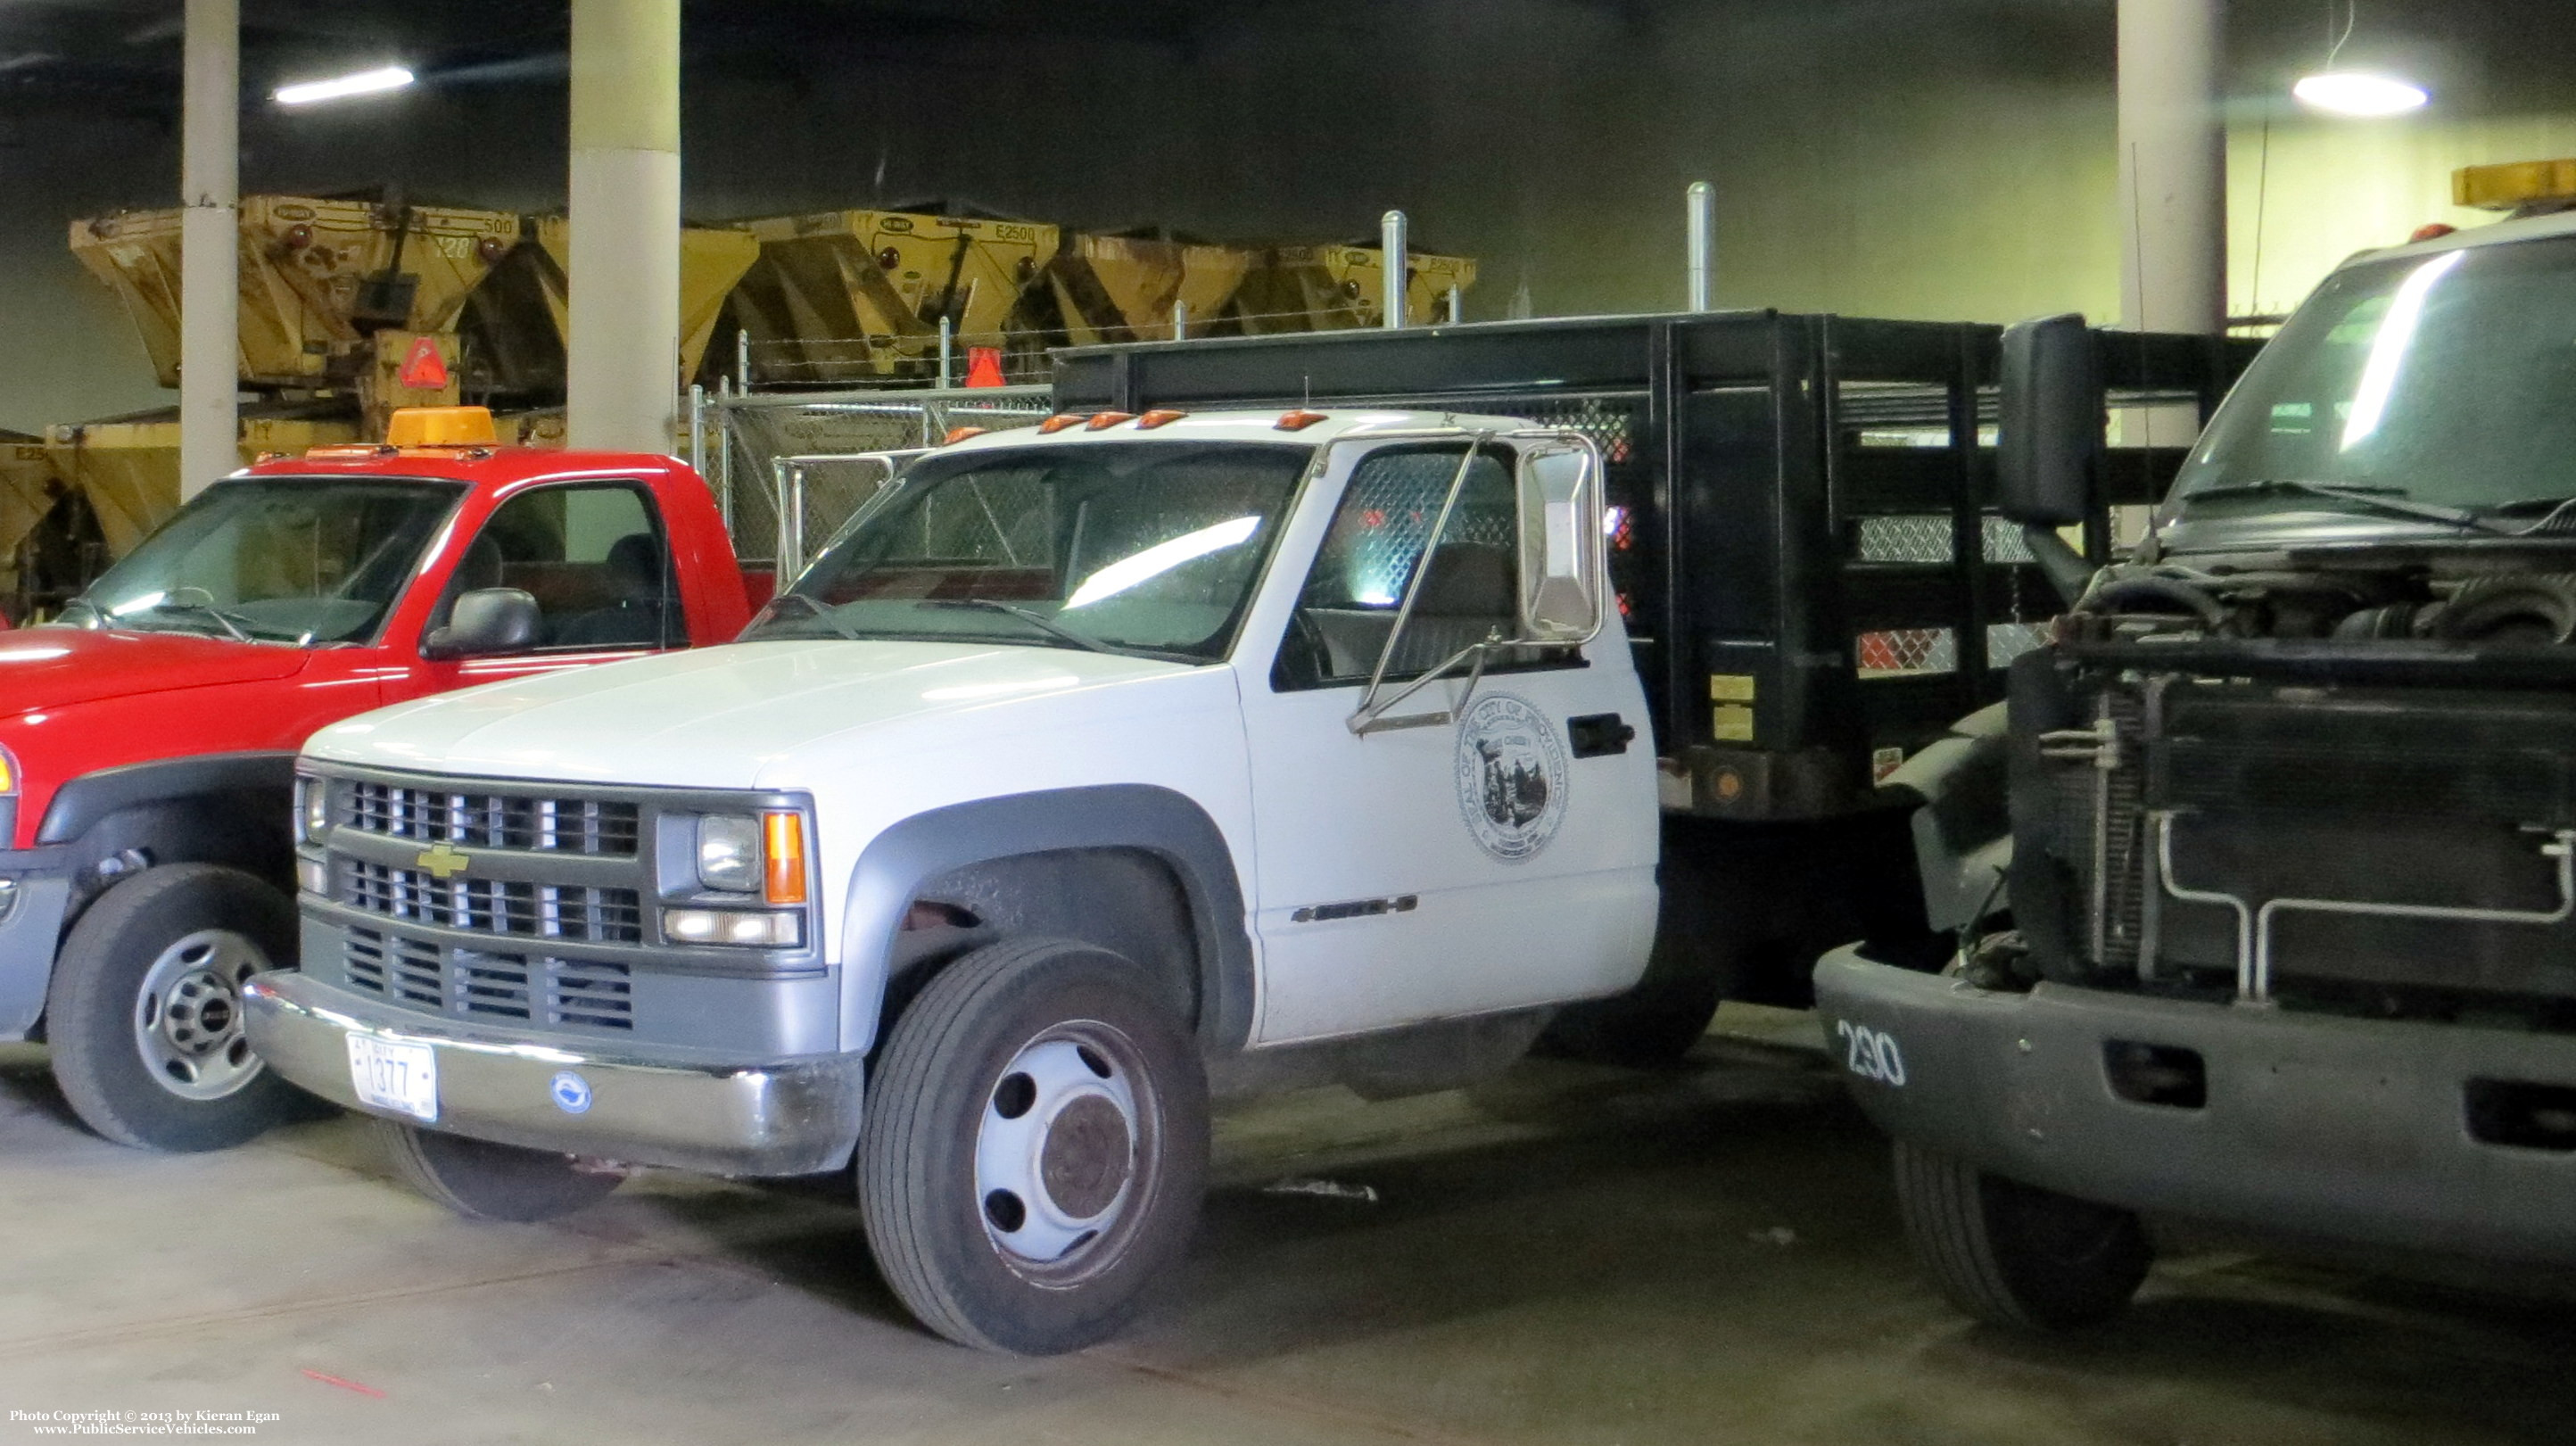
2355	94
364	82
2358	94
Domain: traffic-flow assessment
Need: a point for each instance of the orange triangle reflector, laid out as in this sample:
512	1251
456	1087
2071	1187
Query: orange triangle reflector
424	370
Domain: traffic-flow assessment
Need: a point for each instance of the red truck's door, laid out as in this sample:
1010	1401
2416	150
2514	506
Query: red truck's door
595	555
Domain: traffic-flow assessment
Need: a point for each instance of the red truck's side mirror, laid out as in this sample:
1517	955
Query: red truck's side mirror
485	622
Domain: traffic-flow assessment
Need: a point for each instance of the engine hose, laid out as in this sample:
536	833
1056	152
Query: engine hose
2117	596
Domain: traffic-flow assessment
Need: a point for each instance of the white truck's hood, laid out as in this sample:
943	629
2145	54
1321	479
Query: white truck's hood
723	717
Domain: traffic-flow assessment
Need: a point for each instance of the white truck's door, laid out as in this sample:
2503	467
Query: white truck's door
1500	860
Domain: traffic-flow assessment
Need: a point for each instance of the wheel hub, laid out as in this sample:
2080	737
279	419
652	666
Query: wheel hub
1085	1160
188	1015
1056	1151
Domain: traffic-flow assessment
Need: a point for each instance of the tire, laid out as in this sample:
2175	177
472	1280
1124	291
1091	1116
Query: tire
2015	1255
144	1011
483	1181
1035	1147
1650	1027
1705	924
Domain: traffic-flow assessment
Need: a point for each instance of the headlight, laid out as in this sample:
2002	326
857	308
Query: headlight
782	929
729	853
8	774
312	808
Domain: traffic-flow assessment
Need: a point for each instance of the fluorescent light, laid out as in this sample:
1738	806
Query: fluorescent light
364	82
1161	558
2357	93
2388	349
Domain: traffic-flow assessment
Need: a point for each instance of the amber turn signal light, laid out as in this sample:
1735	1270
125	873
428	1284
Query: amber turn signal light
784	833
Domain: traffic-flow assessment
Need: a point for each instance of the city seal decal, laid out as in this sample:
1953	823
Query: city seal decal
1511	777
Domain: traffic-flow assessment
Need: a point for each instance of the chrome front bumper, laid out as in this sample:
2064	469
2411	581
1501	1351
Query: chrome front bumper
789	1117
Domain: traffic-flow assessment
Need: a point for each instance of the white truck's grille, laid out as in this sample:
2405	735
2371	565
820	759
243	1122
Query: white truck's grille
494	820
477	983
495	906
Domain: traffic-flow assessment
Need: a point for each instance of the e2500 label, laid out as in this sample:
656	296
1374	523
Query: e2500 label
1872	1054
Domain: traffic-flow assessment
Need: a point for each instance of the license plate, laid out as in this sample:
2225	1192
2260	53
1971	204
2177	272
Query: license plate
392	1075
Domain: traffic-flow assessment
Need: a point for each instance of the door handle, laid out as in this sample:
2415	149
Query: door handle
1598	735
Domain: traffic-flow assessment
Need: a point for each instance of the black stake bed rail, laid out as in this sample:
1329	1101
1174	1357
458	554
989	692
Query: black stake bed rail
1802	543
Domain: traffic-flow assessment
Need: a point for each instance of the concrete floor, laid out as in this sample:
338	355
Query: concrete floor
1567	1255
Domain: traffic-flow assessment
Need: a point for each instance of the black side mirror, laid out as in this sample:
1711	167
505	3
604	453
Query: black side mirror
2050	442
485	622
2049	445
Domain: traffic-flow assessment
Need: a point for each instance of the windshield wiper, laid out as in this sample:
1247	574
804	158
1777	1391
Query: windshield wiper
816	610
2387	499
1040	621
202	605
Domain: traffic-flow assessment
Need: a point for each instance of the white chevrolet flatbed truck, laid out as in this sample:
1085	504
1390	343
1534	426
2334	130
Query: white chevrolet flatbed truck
1088	765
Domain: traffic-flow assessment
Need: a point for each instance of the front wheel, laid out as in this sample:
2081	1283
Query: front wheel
1035	1147
483	1181
144	1014
2011	1254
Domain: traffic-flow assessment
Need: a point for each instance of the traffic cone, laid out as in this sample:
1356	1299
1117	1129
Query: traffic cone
984	366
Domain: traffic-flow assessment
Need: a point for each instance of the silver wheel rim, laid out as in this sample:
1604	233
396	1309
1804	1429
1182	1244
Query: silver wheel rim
1062	1150
188	1015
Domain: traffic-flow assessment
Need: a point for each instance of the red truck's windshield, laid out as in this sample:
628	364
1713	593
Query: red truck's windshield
275	559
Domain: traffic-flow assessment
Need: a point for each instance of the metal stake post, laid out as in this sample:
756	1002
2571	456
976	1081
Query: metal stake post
1392	284
1703	245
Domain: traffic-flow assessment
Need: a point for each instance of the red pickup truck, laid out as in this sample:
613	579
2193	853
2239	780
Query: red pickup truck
147	737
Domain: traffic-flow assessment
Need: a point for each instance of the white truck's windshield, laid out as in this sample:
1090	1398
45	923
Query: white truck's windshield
2447	380
274	559
1146	547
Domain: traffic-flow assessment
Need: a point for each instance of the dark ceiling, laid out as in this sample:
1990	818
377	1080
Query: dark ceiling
122	56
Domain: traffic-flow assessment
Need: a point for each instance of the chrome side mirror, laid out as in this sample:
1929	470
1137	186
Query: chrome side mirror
1562	552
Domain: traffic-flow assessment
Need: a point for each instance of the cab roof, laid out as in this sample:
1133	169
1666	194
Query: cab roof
475	465
2499	233
1296	426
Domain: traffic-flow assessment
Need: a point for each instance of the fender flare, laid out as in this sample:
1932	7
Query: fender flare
79	805
1962	832
1147	818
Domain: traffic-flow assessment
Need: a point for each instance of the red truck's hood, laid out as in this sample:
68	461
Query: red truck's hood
59	667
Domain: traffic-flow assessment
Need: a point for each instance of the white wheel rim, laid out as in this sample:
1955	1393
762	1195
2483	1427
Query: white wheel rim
188	1015
1056	1152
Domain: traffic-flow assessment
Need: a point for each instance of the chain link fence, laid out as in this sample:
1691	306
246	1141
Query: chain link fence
790	469
1011	357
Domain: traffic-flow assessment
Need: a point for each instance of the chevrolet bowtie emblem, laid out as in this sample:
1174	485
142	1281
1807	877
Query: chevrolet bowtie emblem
442	862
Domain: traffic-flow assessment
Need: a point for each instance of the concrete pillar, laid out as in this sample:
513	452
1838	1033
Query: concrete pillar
623	364
2173	166
209	246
